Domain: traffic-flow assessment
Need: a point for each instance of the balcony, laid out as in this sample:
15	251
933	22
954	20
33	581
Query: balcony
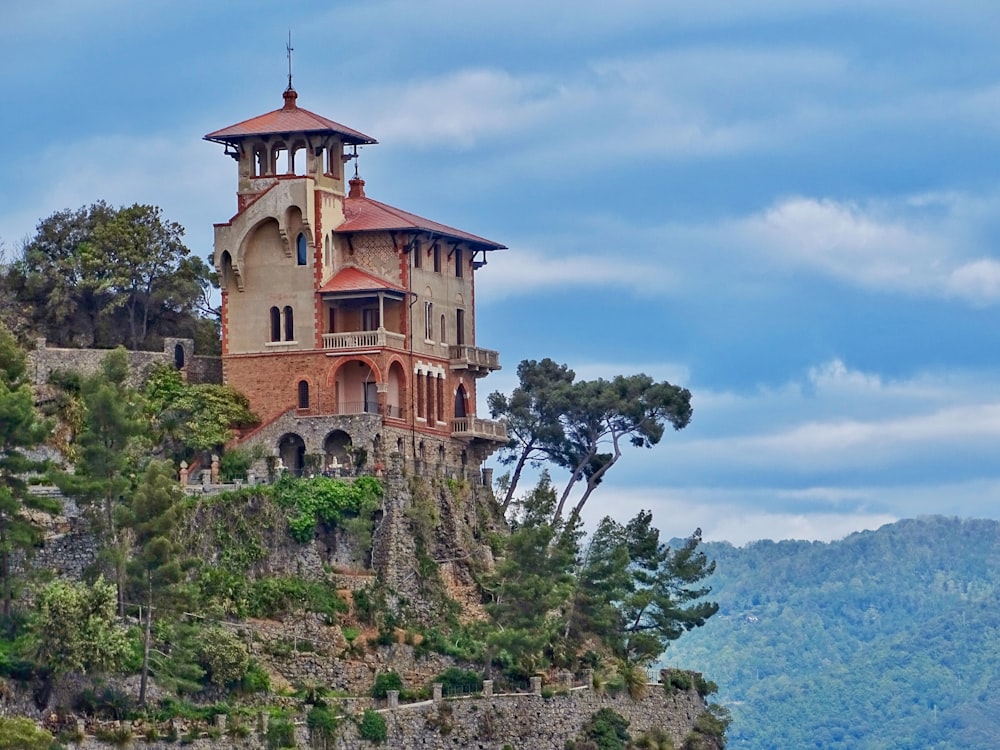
350	341
473	428
351	408
479	361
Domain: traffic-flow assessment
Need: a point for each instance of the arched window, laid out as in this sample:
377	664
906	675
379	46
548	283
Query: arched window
460	408
275	324
303	394
444	338
301	250
178	357
429	321
289	325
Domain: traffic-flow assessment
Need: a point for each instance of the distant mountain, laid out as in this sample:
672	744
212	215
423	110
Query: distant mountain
885	639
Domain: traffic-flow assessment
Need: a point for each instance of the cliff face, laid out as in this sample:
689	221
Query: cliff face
430	541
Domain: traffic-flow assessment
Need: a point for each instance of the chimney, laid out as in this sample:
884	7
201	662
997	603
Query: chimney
290	96
357	188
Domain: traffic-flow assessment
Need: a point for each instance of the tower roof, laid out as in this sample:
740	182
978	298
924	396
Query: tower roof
289	119
362	214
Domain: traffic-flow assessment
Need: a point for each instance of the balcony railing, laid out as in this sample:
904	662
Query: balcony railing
484	429
351	340
465	357
367	407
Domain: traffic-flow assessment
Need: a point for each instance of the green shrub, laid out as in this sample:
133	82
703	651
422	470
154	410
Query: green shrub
106	703
277	596
280	733
322	722
373	727
607	730
350	634
223	656
455	680
703	686
709	732
236	462
256	679
325	500
21	733
385	682
676	680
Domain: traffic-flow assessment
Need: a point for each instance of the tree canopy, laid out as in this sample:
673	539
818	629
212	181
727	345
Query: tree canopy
102	277
583	426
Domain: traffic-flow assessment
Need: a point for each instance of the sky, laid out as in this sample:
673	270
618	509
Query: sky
789	208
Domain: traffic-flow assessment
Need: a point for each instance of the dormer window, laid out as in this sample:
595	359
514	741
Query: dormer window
302	254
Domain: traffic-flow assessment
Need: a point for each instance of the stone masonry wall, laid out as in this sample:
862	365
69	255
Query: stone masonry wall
522	721
43	360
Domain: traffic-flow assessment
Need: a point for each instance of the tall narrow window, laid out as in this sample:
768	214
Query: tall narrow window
437	258
429	321
289	324
420	394
440	398
369	319
333	320
275	324
460	327
301	251
418	259
458	262
444	337
303	394
431	410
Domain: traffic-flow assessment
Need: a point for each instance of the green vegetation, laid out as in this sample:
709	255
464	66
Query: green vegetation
193	418
384	682
324	500
606	730
884	639
626	591
22	734
20	429
104	277
373	727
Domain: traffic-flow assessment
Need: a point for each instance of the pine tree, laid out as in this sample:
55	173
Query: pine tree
20	429
159	561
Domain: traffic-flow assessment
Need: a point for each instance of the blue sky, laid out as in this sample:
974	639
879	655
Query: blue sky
790	208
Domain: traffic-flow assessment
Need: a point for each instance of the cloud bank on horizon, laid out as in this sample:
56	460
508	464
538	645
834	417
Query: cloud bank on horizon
789	208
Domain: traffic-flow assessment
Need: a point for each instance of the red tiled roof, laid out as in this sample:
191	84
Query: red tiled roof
362	214
352	279
289	119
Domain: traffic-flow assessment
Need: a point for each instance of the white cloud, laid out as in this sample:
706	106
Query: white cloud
523	271
460	108
908	247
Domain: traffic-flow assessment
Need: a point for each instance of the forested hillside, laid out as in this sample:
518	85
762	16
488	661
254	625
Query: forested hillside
886	639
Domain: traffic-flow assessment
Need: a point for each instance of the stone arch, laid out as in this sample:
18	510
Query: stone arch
252	239
355	385
336	451
292	452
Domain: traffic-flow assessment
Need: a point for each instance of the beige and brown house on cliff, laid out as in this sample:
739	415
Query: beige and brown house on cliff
347	322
